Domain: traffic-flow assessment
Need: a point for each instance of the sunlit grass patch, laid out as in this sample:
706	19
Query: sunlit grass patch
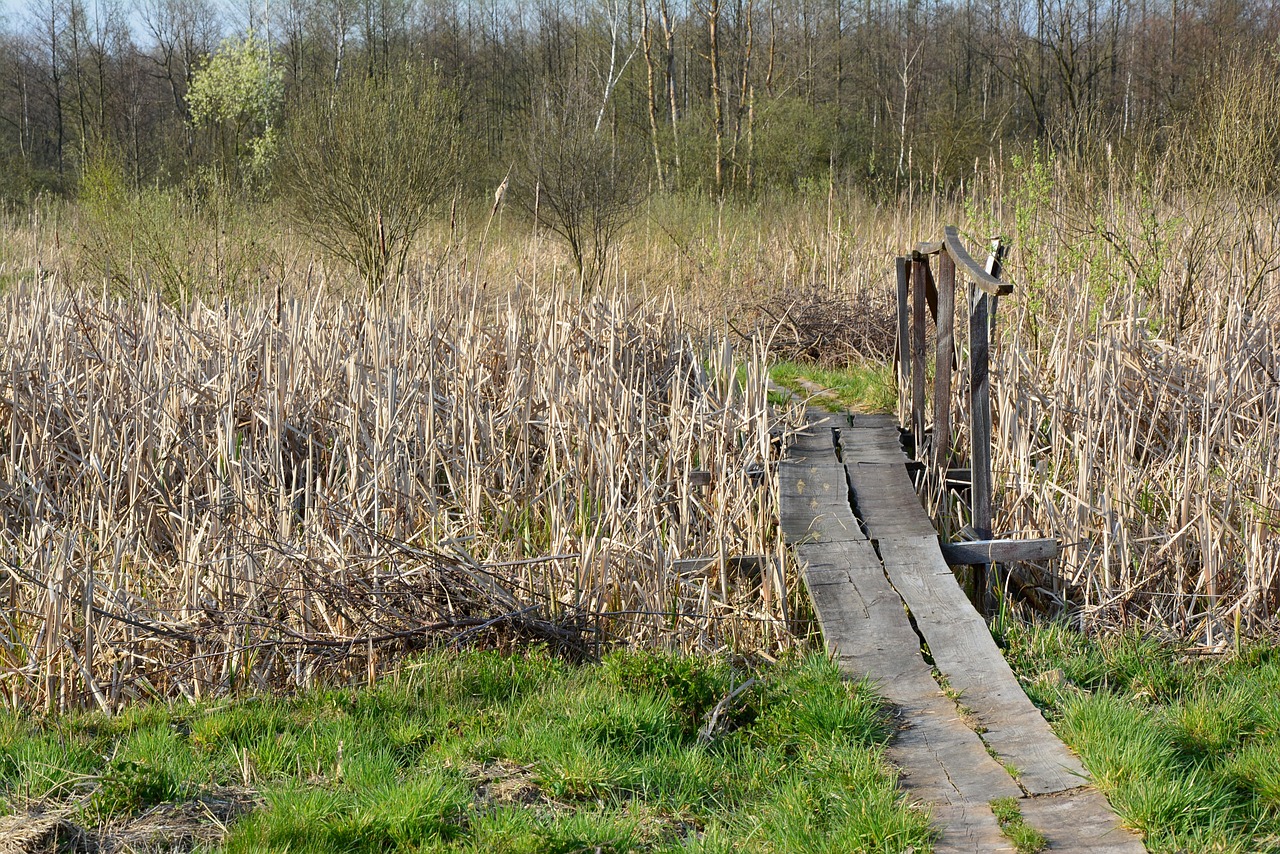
1183	746
479	751
864	387
1025	838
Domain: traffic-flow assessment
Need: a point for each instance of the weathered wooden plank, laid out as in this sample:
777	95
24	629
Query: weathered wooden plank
965	653
965	828
815	444
815	502
863	620
936	731
743	564
875	431
944	764
819	528
876	420
942	761
811	478
998	551
853	451
1080	820
853	441
958	637
814	492
885	508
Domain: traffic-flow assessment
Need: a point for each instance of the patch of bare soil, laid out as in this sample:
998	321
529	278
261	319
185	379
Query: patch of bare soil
501	782
170	828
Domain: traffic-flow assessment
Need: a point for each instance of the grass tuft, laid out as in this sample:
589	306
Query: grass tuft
1184	747
1025	838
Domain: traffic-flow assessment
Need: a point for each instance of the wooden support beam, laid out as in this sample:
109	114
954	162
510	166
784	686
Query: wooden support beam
904	345
980	304
986	279
918	275
946	285
982	552
982	320
744	564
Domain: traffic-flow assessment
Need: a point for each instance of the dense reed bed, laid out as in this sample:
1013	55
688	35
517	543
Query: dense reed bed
264	493
1137	398
246	484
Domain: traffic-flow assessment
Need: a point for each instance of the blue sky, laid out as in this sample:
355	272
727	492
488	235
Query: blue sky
15	13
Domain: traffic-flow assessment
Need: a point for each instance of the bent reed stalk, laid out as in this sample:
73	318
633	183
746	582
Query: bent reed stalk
254	496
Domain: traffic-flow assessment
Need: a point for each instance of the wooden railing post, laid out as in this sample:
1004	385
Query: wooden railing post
980	304
946	284
982	322
904	343
918	277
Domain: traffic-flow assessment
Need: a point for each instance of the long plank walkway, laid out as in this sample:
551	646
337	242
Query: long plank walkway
880	586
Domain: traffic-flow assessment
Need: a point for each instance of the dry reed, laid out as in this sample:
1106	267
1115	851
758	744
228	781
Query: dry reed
265	494
1137	402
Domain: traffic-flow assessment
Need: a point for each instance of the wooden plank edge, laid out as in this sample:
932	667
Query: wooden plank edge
999	551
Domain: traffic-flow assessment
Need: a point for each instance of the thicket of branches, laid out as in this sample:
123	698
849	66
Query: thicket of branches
726	96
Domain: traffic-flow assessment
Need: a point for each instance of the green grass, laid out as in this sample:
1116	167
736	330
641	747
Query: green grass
868	387
1025	838
482	752
1185	748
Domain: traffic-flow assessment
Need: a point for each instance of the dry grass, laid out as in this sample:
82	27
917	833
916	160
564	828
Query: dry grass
268	491
259	495
1137	399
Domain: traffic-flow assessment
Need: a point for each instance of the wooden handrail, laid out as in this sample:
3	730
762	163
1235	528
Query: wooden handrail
954	246
976	271
917	286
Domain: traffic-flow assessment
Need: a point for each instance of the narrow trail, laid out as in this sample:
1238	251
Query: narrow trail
882	591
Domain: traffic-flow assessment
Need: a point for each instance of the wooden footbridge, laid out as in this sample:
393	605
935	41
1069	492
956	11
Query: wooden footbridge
886	597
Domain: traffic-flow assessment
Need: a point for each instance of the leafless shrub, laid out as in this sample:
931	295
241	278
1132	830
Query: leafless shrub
578	179
820	325
364	167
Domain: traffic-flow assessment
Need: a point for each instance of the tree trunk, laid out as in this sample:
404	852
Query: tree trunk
646	35
669	44
717	91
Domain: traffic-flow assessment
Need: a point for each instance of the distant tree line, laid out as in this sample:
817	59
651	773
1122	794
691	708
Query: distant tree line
722	96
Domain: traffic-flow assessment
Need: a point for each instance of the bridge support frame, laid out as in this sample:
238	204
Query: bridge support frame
916	289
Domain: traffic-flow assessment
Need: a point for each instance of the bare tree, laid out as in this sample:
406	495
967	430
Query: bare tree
365	167
579	181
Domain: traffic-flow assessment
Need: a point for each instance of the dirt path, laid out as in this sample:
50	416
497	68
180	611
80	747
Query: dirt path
881	589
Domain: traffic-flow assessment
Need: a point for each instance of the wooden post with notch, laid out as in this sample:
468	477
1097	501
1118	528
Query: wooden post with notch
982	315
944	322
980	434
917	352
904	345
